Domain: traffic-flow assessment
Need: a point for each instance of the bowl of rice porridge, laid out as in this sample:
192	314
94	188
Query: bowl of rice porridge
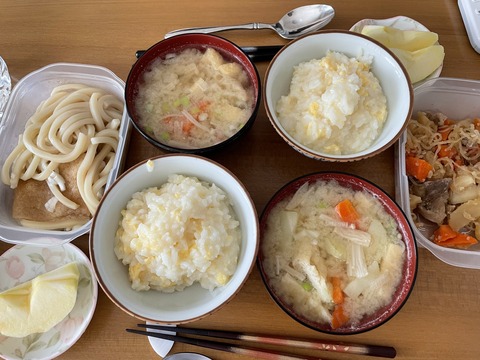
193	93
174	239
337	95
336	253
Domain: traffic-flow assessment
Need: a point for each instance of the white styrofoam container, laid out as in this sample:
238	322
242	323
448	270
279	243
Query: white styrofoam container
458	99
27	94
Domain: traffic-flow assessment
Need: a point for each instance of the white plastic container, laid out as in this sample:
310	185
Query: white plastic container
27	94
458	99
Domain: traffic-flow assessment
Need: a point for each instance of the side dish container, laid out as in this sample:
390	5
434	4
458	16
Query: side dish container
458	99
26	96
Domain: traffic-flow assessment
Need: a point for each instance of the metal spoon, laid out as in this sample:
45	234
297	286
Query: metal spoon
293	24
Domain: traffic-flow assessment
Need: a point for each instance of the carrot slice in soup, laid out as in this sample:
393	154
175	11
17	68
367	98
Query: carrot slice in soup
339	318
346	211
337	292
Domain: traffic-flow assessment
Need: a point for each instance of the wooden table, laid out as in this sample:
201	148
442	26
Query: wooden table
441	319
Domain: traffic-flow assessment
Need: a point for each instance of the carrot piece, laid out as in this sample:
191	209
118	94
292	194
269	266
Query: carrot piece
346	211
443	233
187	126
339	318
444	133
476	123
447	237
337	292
461	241
418	168
446	151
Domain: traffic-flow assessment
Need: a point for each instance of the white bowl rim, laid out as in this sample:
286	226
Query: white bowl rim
326	156
185	319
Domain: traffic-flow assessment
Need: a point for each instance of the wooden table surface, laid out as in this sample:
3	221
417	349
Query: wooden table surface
441	319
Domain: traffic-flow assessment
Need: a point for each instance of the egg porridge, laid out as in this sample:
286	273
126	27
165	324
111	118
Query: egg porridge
178	234
330	99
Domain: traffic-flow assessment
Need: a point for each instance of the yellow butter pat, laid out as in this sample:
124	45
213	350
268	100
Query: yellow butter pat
39	304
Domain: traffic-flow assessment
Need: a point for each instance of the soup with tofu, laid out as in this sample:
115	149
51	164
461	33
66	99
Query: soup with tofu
333	254
194	99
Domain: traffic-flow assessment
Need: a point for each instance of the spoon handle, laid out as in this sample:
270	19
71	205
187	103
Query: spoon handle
211	29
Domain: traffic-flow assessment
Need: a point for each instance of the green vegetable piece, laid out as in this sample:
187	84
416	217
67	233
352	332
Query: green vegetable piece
322	205
149	130
165	136
307	286
183	101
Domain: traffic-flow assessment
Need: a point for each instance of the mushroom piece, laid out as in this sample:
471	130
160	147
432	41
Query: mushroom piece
434	196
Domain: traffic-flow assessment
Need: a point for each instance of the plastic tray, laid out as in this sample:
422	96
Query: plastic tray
458	99
27	94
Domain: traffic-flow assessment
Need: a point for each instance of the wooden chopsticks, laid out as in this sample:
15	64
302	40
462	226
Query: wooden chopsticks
347	348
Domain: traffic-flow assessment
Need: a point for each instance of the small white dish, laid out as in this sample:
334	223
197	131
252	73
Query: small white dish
401	23
22	263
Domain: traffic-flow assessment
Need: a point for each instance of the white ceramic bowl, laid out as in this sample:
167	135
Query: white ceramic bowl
385	66
194	302
401	23
22	263
458	99
26	96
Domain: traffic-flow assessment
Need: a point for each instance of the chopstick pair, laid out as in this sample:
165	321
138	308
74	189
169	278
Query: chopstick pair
347	348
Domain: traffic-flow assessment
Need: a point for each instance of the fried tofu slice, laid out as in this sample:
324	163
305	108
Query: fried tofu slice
31	196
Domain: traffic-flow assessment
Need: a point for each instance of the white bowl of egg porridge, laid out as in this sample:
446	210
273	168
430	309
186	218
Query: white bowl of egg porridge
62	143
193	93
336	95
174	239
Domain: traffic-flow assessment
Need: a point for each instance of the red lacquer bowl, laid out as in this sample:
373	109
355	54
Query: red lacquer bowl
228	50
409	268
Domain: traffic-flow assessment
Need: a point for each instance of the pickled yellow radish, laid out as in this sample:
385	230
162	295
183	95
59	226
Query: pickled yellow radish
409	40
421	63
39	304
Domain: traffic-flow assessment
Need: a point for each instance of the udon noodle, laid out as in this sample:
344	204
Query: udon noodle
76	122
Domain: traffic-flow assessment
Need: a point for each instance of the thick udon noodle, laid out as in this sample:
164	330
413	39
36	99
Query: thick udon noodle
76	120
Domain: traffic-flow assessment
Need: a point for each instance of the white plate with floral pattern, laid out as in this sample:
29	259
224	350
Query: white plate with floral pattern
22	263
